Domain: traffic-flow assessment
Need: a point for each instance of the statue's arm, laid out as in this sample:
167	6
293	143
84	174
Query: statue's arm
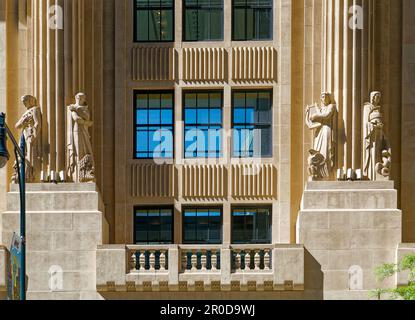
78	119
310	122
324	115
37	120
21	122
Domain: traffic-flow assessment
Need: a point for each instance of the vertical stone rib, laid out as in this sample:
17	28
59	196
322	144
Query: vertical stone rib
346	73
60	97
51	89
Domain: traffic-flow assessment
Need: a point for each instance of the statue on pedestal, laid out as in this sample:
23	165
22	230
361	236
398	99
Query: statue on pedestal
31	125
320	119
79	149
377	157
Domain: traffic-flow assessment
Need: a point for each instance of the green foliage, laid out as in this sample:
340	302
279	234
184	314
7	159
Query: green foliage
388	270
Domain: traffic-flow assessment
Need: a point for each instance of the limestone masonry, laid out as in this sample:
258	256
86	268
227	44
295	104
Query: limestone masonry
219	149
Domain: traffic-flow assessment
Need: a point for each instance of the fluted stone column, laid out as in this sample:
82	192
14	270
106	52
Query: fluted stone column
348	71
57	74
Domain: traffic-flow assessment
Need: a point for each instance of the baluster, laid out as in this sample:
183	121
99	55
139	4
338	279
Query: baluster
257	260
203	260
247	260
133	261
162	261
214	260
184	261
238	261
142	260
152	261
266	260
194	261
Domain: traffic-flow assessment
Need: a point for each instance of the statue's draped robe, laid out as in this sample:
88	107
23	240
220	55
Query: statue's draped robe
374	143
79	139
323	122
31	124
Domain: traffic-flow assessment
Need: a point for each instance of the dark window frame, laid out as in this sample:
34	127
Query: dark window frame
270	91
135	125
135	34
220	153
210	17
149	208
246	7
247	208
184	241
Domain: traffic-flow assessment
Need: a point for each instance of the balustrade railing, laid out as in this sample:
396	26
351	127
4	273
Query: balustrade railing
148	258
200	259
251	258
196	258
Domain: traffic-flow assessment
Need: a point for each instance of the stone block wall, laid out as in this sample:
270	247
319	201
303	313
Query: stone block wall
350	228
65	224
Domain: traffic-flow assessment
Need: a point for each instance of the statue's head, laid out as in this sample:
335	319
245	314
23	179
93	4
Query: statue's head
80	99
375	98
29	101
326	98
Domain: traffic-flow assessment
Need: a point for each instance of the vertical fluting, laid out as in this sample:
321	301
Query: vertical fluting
347	71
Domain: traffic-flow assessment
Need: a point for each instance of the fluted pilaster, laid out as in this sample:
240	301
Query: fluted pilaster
348	71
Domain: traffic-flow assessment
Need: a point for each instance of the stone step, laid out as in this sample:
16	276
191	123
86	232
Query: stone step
56	201
349	199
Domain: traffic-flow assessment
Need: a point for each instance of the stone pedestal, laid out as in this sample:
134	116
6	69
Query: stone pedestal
350	228
65	224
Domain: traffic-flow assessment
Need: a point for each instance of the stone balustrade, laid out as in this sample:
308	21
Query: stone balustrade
165	268
197	259
251	258
147	258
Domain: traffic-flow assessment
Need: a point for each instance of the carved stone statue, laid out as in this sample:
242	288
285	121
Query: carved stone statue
377	157
79	149
320	119
31	125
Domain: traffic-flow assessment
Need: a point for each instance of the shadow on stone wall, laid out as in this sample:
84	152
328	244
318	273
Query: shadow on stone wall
313	278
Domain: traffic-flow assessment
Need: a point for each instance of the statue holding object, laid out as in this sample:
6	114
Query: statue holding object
320	119
79	149
377	158
31	125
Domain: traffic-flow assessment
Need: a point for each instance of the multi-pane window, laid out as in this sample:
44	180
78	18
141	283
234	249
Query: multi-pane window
203	124
252	20
154	125
202	226
154	20
251	226
252	124
203	20
153	226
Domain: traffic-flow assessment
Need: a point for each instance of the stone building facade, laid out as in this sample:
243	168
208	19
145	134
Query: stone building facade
265	231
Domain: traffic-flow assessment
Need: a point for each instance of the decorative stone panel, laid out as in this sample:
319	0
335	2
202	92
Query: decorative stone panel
204	181
205	64
253	181
254	64
152	63
152	180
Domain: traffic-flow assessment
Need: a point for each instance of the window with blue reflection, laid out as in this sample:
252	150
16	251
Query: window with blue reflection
252	124
153	226
154	125
154	20
202	226
250	225
203	124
